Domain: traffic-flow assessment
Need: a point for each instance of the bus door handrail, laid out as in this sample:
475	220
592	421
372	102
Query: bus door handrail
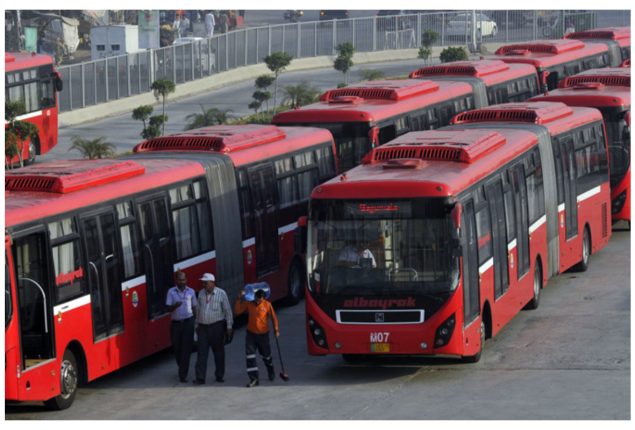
46	325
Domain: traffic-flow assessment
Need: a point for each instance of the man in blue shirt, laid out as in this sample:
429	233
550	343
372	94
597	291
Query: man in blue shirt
181	302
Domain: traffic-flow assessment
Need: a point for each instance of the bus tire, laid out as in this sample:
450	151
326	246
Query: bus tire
69	380
535	301
475	358
583	265
33	145
295	283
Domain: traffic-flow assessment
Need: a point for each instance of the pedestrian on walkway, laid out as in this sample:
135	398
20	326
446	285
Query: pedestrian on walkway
210	22
181	302
215	321
260	311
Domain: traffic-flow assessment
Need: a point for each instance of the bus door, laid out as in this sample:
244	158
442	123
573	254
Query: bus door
471	295
157	251
35	315
263	187
519	186
494	195
104	272
569	173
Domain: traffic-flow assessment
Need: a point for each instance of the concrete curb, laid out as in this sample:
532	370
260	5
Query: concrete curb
223	79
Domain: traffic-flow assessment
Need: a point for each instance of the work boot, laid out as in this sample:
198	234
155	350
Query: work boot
253	383
272	374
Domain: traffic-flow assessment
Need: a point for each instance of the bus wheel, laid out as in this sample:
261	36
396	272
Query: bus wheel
32	152
583	265
535	301
477	357
295	284
69	380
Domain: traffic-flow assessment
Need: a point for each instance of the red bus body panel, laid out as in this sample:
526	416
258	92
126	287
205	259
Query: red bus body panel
371	110
600	96
46	119
490	72
430	179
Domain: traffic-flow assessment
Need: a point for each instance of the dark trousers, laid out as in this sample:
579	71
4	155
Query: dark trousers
258	342
182	333
211	335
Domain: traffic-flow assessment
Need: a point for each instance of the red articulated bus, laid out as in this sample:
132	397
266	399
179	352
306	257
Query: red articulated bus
32	79
92	245
618	39
608	90
493	80
440	237
554	60
368	114
275	169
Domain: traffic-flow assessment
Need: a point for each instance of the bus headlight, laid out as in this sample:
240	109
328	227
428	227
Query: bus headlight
444	332
618	203
317	333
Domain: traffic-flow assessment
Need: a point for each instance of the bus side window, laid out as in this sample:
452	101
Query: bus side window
387	133
510	210
287	182
306	174
535	192
326	162
483	227
245	203
191	218
70	281
129	240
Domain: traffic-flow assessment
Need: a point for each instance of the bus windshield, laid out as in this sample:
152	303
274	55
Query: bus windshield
351	140
382	248
619	140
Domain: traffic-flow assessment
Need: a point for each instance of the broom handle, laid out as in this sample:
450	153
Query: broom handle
279	353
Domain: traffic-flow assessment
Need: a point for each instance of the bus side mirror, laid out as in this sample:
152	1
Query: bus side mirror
543	81
302	221
373	136
58	82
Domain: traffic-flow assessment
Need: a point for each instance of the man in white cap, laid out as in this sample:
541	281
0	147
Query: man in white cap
215	321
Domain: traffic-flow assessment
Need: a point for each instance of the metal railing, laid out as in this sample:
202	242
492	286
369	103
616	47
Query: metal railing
112	78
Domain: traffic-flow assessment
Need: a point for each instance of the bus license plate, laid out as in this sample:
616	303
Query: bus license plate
379	347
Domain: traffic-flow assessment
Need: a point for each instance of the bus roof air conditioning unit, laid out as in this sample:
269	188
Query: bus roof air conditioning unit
464	146
383	90
217	138
531	112
65	177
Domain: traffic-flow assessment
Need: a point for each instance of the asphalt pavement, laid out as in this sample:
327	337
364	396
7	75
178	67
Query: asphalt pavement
124	132
567	360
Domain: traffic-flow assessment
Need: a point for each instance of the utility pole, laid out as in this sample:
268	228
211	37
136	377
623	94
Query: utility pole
473	48
18	27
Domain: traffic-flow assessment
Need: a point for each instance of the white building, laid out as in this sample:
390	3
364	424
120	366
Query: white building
112	40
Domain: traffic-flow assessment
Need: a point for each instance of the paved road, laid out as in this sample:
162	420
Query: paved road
124	132
569	359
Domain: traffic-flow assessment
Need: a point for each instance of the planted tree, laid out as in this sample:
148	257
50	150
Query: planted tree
428	38
261	97
344	60
161	89
453	53
277	62
207	117
263	82
300	94
17	134
151	124
92	148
